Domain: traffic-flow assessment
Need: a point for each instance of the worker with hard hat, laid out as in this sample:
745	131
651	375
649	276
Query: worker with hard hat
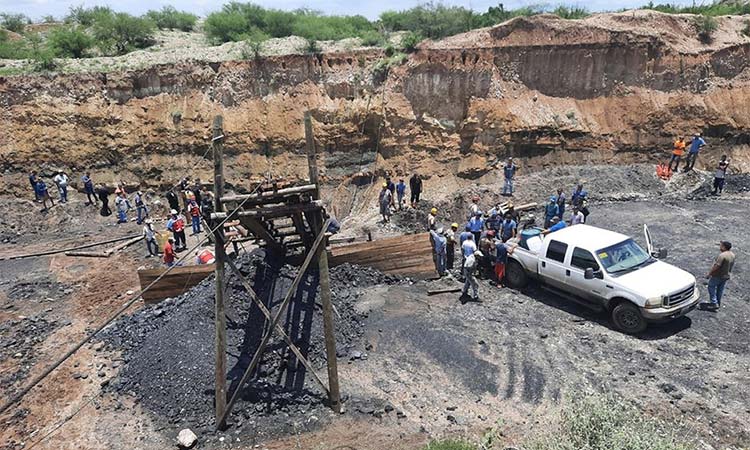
450	248
432	219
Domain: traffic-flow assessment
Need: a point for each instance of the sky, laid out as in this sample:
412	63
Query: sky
370	9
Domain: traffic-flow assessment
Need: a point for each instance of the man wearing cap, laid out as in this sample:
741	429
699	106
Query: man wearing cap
719	275
149	235
450	248
385	199
432	219
140	207
176	224
509	171
476	225
439	244
551	211
169	254
695	147
88	188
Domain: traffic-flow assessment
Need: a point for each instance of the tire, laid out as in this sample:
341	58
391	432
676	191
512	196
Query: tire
628	319
515	275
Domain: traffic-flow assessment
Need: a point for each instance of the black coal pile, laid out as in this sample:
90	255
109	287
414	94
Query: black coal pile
168	348
19	338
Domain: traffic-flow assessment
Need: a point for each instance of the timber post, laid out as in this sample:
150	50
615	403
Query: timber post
220	256
334	395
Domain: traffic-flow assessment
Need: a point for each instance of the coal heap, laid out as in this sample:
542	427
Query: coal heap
168	348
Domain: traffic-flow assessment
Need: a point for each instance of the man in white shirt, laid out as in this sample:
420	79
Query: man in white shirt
61	180
577	217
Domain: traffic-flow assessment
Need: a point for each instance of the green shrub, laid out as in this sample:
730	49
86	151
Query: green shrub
169	18
41	56
716	8
310	47
12	49
706	26
607	423
88	16
450	444
14	22
570	12
372	39
430	20
409	41
225	26
254	44
121	33
49	19
69	42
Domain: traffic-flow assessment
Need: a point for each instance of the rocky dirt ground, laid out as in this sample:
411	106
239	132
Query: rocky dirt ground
412	367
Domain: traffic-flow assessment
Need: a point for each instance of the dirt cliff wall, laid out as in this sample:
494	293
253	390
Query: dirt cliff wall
612	88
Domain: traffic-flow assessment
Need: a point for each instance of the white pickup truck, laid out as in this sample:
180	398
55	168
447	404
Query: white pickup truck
604	270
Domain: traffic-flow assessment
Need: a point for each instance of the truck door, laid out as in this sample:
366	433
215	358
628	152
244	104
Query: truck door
593	290
552	264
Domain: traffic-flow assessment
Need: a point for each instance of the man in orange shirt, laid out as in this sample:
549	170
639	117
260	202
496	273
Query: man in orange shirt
677	152
169	253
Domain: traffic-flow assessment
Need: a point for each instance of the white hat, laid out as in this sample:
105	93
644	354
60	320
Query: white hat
173	212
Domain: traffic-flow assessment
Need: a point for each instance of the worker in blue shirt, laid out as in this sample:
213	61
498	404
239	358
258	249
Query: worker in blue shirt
33	183
556	225
695	147
509	228
41	191
439	243
509	171
476	225
552	210
400	192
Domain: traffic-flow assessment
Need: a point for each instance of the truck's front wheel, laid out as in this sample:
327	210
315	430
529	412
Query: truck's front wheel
628	319
515	275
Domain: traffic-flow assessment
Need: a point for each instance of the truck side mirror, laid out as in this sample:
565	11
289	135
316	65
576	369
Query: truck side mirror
588	274
662	253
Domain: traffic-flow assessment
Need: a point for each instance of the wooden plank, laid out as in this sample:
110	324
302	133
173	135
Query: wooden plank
444	290
64	250
267	196
408	255
177	281
266	213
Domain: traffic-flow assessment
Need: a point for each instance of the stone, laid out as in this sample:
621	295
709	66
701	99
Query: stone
186	438
98	346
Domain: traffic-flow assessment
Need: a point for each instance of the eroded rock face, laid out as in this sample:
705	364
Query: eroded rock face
612	88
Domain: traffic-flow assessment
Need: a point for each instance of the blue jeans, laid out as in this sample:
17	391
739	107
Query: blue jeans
63	194
196	224
142	212
440	262
508	188
561	209
122	216
153	247
716	289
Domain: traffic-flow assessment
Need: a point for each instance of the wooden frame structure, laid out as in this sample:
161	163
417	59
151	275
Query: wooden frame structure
283	219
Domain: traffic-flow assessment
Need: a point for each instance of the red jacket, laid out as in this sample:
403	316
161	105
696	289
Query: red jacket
178	225
168	253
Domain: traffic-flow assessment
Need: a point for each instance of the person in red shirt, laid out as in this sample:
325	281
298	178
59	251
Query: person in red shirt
205	256
169	253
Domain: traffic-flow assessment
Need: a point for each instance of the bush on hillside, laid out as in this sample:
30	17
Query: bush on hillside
607	423
450	444
706	26
14	22
716	8
88	16
69	42
121	33
225	26
12	49
409	42
570	12
169	18
49	19
430	20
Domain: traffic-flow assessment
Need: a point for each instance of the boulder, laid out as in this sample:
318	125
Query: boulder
186	438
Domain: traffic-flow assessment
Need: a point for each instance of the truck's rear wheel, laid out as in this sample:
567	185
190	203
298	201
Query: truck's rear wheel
515	275
628	319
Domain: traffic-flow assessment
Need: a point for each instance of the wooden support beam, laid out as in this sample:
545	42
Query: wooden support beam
261	232
312	157
270	196
334	395
220	320
279	330
65	250
267	336
266	213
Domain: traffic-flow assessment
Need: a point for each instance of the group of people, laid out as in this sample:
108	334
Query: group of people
186	199
695	146
484	243
392	196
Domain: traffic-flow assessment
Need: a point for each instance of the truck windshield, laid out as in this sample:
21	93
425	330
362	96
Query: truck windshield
623	257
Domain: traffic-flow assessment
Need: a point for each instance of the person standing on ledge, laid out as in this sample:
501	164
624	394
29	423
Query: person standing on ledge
719	275
695	147
415	185
509	171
